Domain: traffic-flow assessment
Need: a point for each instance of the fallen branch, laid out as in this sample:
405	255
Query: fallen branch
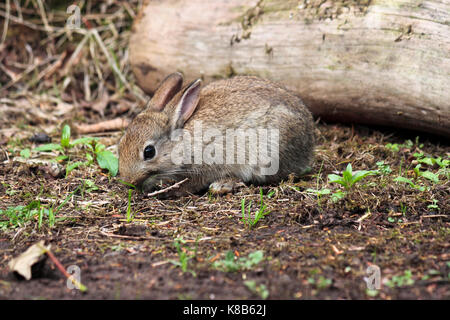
108	125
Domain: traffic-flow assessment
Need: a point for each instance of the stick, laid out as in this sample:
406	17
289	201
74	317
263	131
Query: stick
64	272
176	185
5	25
107	125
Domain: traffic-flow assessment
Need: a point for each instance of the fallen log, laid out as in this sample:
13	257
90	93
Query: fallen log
374	62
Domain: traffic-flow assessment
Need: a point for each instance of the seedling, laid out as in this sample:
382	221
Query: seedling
383	168
19	216
261	290
184	255
410	182
105	158
231	263
402	280
130	216
349	178
259	214
426	174
434	205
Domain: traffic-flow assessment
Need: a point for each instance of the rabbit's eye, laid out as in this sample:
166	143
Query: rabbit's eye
149	152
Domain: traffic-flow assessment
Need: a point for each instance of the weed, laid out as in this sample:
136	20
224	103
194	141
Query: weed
410	182
383	168
349	178
231	263
259	214
261	290
105	158
395	147
130	216
19	216
184	255
402	280
25	153
434	205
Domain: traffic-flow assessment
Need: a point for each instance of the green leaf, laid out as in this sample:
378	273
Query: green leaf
256	257
428	161
404	180
99	147
361	174
335	197
84	140
89	157
348	175
107	160
334	178
61	158
430	176
65	136
25	153
49	147
72	166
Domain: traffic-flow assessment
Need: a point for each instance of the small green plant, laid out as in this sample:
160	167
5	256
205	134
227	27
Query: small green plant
320	282
395	147
130	215
105	158
434	205
383	168
426	174
401	280
184	255
410	182
20	216
319	193
231	263
25	153
88	186
261	290
349	178
259	214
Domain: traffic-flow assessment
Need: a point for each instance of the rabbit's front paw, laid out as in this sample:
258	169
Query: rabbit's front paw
225	186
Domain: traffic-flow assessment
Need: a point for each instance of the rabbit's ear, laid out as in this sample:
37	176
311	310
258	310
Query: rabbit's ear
187	104
169	87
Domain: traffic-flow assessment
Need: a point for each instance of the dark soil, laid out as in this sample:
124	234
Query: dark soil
312	249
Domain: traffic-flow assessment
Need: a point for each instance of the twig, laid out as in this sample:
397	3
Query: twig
44	16
112	235
435	216
27	23
58	265
5	26
108	125
175	186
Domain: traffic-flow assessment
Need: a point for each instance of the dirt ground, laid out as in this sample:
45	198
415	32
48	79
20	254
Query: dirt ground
312	249
316	240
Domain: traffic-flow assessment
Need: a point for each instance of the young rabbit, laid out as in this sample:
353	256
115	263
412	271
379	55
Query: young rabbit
243	129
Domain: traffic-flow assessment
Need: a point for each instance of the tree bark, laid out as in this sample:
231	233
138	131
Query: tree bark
383	62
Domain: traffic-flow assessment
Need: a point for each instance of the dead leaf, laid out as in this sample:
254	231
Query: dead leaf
23	263
100	104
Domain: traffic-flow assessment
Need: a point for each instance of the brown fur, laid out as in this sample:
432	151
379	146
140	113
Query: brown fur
243	102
